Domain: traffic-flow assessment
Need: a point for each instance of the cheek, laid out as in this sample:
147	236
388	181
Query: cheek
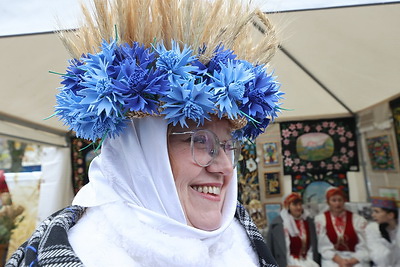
178	157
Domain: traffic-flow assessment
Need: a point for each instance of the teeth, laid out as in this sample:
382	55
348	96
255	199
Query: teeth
208	189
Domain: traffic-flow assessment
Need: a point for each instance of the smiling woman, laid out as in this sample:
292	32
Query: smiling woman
202	189
168	93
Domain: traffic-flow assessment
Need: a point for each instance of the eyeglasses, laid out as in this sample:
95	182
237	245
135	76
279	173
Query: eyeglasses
205	147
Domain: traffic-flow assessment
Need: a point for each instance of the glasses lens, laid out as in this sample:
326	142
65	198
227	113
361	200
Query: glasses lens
204	147
232	150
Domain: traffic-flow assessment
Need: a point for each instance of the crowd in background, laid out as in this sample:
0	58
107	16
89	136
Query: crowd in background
337	236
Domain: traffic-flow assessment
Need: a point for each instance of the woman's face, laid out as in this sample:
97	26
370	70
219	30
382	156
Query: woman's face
296	209
381	216
336	204
203	210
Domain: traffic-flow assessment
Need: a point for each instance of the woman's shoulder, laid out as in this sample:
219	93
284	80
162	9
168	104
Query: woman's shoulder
359	219
49	238
372	226
320	217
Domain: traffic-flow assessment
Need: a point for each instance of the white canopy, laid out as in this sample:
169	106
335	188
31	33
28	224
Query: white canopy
333	62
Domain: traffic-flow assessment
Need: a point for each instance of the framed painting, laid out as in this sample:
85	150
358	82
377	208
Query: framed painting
272	210
395	107
272	184
319	146
380	153
391	192
270	154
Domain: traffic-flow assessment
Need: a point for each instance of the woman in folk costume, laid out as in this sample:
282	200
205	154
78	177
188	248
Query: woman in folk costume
382	235
341	233
291	236
168	86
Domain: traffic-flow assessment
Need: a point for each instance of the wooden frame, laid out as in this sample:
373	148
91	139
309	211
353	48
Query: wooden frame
270	154
272	210
273	186
393	192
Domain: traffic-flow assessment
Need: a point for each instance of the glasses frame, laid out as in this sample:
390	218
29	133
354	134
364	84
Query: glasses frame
218	145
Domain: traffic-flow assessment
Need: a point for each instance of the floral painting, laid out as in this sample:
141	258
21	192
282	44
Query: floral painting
270	152
249	187
319	146
380	153
313	186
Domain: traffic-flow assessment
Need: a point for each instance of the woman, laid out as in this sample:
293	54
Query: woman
382	234
341	233
167	97
299	245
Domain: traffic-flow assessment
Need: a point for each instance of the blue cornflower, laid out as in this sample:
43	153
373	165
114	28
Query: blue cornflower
229	87
68	107
136	53
220	56
87	124
141	87
100	65
176	63
188	101
74	75
102	96
262	95
101	106
93	127
253	129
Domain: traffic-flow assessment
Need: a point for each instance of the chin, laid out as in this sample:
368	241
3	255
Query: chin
210	225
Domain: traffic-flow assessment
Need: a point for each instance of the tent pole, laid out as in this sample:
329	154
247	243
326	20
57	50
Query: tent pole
28	124
362	160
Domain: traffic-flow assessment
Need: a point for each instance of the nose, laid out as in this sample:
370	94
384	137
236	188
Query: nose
221	163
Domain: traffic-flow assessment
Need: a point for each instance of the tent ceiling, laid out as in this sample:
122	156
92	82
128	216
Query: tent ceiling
353	52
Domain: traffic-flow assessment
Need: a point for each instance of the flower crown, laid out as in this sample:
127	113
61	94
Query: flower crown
102	90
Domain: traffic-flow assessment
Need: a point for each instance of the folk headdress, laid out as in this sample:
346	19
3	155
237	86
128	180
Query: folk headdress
291	198
384	203
181	59
332	191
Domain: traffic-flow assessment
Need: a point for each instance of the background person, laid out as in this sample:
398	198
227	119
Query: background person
169	90
341	233
382	233
291	236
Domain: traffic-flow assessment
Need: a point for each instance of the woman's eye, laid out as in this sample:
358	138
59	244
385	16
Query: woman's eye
200	139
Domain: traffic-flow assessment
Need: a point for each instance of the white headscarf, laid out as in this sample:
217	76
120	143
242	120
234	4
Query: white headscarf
134	168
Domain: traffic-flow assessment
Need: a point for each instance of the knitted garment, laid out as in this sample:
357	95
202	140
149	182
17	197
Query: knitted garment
49	245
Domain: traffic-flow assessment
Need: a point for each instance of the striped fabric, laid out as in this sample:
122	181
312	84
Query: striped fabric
257	241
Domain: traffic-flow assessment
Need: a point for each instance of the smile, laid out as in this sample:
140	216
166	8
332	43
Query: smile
216	190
